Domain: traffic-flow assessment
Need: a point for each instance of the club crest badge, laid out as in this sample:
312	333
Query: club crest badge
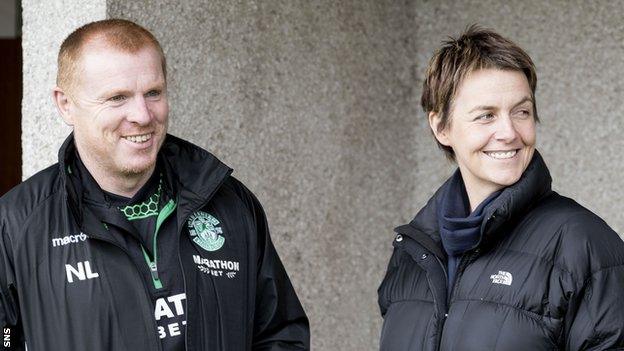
205	231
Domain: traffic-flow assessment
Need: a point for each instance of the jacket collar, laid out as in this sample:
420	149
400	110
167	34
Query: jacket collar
512	203
190	173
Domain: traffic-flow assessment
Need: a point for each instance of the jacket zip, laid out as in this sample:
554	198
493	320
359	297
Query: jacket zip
153	264
444	269
185	294
465	260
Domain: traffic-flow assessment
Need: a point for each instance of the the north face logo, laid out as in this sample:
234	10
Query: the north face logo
502	277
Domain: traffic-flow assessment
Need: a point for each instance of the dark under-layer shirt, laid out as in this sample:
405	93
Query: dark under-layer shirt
132	223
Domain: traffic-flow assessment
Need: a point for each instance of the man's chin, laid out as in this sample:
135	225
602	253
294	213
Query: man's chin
133	169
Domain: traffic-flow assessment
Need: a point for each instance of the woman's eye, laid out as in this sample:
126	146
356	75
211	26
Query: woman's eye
523	113
153	93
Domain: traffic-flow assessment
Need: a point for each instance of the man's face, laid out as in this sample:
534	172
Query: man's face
118	107
492	128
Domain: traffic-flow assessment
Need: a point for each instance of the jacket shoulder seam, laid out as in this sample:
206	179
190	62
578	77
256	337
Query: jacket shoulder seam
591	275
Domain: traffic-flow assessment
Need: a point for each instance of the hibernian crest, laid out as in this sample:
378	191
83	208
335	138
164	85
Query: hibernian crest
205	231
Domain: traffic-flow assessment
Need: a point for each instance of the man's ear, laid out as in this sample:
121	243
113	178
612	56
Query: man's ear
440	135
63	105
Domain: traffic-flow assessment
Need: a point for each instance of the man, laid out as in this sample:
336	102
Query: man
136	240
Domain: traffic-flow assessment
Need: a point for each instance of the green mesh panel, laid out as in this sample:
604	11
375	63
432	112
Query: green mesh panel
144	209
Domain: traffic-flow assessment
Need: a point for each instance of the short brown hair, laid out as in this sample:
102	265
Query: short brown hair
477	48
123	35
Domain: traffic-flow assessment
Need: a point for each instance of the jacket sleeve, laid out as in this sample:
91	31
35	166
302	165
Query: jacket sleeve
12	334
280	322
599	320
593	255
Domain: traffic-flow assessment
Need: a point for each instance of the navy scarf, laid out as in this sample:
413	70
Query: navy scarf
460	230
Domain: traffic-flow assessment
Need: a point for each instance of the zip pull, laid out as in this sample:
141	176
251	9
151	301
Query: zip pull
154	269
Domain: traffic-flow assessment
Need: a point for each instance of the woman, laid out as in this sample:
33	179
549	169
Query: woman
496	260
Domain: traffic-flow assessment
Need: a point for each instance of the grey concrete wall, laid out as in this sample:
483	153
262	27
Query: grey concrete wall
577	48
44	26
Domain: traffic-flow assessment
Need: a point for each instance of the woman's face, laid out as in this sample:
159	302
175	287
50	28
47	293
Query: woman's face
491	129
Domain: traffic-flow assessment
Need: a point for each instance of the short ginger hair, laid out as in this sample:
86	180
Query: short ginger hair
477	48
120	34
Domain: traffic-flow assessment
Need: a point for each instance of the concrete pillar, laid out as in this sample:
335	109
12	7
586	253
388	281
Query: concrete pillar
44	26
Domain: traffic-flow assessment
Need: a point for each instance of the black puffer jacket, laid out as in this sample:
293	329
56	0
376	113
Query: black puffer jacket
547	274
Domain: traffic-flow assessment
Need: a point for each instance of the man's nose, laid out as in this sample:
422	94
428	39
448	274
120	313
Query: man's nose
139	112
505	129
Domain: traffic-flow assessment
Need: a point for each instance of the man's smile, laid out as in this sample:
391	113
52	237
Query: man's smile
140	138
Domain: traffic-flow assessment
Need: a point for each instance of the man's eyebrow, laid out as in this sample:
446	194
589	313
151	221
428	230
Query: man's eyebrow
106	94
489	108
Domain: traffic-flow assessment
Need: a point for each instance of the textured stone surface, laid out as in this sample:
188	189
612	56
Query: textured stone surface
577	48
45	25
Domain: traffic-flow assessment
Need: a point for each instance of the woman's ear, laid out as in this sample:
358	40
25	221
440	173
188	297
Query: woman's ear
440	135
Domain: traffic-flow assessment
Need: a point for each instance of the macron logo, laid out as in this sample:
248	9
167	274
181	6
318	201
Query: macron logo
502	277
70	239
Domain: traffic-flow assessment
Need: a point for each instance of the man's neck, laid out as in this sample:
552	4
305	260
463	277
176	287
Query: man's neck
126	185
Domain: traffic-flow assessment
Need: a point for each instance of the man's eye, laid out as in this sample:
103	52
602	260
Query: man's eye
117	98
524	113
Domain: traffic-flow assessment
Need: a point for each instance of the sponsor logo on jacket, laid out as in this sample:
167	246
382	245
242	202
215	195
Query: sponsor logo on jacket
170	316
217	268
504	278
69	239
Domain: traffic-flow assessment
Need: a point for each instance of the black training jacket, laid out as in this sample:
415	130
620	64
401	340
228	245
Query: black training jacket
65	285
547	274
